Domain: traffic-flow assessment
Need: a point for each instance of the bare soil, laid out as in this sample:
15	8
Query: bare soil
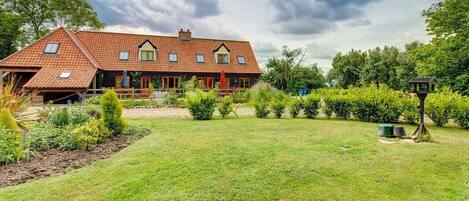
50	162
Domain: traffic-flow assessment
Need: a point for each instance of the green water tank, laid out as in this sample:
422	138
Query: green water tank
386	130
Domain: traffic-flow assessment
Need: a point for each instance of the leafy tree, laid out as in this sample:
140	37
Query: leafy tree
41	16
288	72
10	25
346	69
447	56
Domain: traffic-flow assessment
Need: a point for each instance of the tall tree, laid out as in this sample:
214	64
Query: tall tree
42	15
288	72
9	32
346	69
447	56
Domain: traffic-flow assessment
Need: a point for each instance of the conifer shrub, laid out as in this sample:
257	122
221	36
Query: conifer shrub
295	107
201	104
311	105
111	109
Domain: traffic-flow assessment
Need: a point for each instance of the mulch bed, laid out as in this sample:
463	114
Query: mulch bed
50	162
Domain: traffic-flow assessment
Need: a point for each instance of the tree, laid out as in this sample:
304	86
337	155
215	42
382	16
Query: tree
447	56
288	72
41	16
346	69
9	31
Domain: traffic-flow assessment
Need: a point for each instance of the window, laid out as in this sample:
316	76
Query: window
124	55
205	82
222	58
65	74
173	57
244	83
51	48
241	60
170	82
200	58
146	55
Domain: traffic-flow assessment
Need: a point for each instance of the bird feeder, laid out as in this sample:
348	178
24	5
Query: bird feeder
422	86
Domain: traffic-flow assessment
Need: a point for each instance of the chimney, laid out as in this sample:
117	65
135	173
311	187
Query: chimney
185	35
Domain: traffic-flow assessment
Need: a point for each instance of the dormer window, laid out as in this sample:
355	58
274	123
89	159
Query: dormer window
146	55
123	55
200	58
65	75
51	48
241	60
222	58
147	51
222	54
173	57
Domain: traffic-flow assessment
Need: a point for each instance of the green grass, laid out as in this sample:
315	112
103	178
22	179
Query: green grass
266	159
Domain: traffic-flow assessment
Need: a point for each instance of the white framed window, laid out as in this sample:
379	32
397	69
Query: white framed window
65	74
241	60
200	58
123	55
51	48
173	57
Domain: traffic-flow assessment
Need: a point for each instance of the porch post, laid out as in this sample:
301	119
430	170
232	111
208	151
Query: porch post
1	78
94	85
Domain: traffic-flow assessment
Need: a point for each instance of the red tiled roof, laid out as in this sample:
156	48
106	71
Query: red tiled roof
84	52
70	57
106	47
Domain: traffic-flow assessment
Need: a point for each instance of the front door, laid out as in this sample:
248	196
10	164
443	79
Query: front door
145	82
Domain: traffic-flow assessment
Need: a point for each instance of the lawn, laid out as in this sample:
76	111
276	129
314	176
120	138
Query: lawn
266	159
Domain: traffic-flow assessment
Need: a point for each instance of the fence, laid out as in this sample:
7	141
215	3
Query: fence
133	93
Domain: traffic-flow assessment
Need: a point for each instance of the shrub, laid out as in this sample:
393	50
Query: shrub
95	100
340	105
60	118
11	146
111	109
278	105
262	108
93	112
226	106
79	116
201	104
295	107
15	101
241	96
376	104
7	120
311	105
171	99
47	136
410	110
438	106
461	112
91	133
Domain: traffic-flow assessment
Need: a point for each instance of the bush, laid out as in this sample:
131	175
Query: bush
278	105
241	96
201	104
171	99
95	100
111	108
79	116
410	110
295	107
93	112
262	108
438	106
91	133
60	118
461	112
7	120
376	104
11	146
45	136
311	105
226	106
340	105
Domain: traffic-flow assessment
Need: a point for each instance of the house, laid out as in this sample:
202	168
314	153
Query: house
68	65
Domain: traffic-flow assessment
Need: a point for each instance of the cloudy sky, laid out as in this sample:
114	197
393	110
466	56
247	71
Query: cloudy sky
322	27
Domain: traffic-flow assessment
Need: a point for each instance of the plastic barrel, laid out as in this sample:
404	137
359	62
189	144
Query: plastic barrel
386	130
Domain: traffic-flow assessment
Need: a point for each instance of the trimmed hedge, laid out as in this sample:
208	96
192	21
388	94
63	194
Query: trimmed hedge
311	105
295	107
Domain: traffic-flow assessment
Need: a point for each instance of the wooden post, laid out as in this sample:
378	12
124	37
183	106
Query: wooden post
1	78
94	85
133	93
